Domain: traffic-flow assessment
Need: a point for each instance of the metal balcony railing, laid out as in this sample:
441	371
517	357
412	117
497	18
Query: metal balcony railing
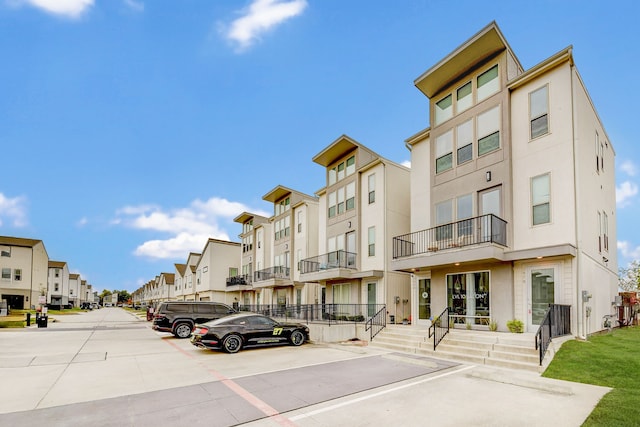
245	279
279	272
335	259
467	232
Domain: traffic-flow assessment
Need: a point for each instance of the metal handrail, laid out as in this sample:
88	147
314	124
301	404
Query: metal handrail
556	323
436	330
377	322
467	232
328	261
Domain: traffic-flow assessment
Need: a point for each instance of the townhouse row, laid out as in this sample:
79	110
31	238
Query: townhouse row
508	207
29	278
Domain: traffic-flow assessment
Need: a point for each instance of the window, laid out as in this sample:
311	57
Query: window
372	188
468	297
340	201
300	221
351	195
57	272
464	142
372	241
6	273
57	287
444	216
340	171
464	210
488	129
464	98
444	152
341	294
298	258
17	274
538	111
540	199
599	154
332	204
605	231
333	176
233	271
488	83
351	165
287	226
444	109
5	251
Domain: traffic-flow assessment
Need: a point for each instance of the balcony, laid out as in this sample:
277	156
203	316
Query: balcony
336	259
245	279
272	273
467	232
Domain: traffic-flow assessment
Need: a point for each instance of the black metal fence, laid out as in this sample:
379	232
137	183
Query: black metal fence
244	279
319	313
335	259
439	327
467	232
556	323
279	272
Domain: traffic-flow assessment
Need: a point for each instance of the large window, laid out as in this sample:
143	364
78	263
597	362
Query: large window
468	297
341	294
540	199
464	97
444	109
488	129
488	83
332	204
372	241
342	170
372	188
539	111
6	273
444	216
444	152
464	211
351	195
17	274
464	142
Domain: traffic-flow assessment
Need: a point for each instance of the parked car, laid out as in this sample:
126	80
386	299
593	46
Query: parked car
179	318
240	330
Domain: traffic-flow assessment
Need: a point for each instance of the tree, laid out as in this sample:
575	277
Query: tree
629	278
123	296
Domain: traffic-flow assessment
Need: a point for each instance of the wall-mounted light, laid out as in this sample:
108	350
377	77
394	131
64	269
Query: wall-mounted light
349	224
605	259
488	176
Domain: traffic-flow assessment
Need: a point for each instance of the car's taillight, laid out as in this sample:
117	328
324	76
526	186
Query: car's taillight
200	330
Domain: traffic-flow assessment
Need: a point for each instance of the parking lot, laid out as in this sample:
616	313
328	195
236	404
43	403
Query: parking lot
107	367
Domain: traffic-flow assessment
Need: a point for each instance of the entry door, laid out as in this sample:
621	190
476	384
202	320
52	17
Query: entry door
543	289
371	299
490	202
424	301
351	249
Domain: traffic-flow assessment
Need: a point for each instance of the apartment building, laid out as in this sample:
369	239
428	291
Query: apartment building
219	261
178	281
58	284
166	287
364	203
512	192
252	238
74	290
189	291
24	266
274	278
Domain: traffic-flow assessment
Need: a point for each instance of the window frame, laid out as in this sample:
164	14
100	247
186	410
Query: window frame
547	202
535	117
371	241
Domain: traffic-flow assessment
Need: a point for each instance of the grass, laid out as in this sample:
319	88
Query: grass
17	318
610	360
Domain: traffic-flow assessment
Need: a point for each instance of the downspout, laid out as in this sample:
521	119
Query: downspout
579	306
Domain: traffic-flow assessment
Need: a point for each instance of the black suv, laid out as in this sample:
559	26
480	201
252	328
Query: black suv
179	317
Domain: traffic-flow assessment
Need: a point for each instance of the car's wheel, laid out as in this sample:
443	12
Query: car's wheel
182	330
232	343
297	338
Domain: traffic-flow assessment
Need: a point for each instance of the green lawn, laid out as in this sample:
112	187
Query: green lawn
610	360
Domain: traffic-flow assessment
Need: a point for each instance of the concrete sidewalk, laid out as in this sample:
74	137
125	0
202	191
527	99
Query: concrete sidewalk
109	368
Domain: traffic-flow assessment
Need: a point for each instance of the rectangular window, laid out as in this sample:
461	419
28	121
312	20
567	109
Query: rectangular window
444	152
57	287
299	221
6	273
488	83
464	97
351	165
17	274
605	231
57	272
340	201
333	176
538	111
599	232
5	251
372	188
277	230
287	225
540	199
597	153
464	142
488	129
464	210
444	109
372	241
340	171
233	271
332	204
468	297
351	195
444	217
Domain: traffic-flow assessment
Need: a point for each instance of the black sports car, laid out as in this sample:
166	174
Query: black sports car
233	332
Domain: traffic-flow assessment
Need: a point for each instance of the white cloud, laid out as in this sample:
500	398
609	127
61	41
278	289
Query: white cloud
136	6
629	168
66	8
624	192
188	228
260	17
82	222
14	210
628	251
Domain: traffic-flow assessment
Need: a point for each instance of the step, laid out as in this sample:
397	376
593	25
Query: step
397	340
466	343
456	348
512	364
515	349
516	357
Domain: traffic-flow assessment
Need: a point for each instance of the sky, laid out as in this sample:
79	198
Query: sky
131	131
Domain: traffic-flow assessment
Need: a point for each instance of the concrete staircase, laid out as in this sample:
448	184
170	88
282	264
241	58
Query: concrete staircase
501	349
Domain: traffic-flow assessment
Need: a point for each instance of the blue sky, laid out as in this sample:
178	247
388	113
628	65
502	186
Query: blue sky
133	130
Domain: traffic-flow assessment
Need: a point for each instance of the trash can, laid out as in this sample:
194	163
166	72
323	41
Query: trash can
28	319
42	321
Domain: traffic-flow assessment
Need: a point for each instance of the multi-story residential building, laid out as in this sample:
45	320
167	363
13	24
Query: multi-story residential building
166	285
512	192
24	266
220	260
364	203
74	289
178	281
252	237
190	293
276	281
58	284
84	295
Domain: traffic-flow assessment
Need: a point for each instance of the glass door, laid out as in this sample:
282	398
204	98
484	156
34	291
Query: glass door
489	203
424	300
541	293
371	299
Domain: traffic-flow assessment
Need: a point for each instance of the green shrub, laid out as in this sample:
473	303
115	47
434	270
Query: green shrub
493	326
515	326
